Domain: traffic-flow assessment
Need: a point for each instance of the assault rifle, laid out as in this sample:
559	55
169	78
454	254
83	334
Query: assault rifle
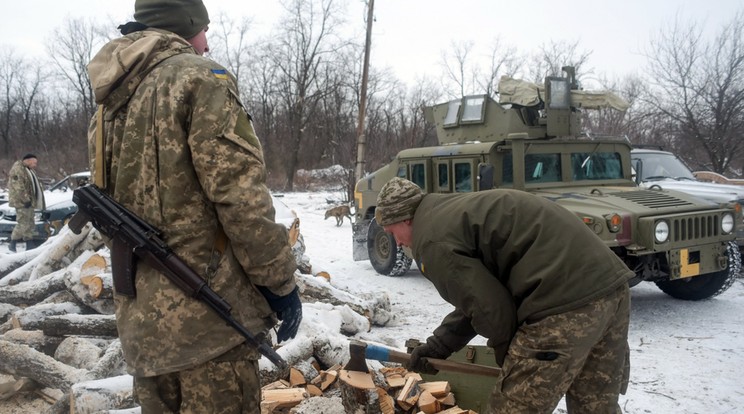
131	236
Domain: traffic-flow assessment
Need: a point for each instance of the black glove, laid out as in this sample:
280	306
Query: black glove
288	309
27	204
418	361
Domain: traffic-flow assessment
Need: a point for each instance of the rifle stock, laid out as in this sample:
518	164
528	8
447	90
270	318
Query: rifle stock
133	239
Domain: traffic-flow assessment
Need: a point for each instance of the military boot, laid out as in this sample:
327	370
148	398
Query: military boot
32	244
12	245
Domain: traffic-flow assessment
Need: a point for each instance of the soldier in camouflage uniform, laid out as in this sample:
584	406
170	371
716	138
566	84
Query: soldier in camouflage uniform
25	194
173	143
529	276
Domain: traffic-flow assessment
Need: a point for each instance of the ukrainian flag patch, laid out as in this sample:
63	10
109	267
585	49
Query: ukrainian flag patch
219	73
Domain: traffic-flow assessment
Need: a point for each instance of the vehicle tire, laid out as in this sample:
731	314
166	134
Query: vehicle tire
386	256
705	286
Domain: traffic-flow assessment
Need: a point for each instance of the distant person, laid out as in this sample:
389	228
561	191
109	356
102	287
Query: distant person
529	276
26	195
173	143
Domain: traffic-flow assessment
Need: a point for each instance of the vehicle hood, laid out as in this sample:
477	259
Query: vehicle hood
599	201
719	193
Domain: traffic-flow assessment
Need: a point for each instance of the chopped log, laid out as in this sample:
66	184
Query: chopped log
428	403
13	262
375	307
353	397
313	390
357	379
276	385
282	398
35	339
29	293
56	253
80	325
10	386
387	403
436	388
102	395
95	291
78	352
111	363
455	410
25	361
6	310
408	395
448	400
296	378
30	317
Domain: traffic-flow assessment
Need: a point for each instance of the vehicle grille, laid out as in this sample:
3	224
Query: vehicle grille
694	228
652	199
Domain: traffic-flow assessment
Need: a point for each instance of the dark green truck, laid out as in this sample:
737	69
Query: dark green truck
531	140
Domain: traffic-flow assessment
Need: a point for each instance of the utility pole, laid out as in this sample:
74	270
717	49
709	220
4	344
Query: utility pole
361	138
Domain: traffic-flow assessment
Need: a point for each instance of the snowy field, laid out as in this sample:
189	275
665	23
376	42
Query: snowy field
686	357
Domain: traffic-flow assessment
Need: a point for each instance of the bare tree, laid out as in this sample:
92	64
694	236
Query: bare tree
698	87
303	56
553	56
71	50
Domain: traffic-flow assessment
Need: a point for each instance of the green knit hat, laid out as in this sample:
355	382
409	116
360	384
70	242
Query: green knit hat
397	201
185	18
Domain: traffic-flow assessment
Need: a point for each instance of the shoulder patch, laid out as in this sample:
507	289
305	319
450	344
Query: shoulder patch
220	73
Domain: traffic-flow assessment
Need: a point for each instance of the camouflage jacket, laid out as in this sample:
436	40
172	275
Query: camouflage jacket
505	257
181	152
24	188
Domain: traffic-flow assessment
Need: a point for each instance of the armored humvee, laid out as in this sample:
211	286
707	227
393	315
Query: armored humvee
531	141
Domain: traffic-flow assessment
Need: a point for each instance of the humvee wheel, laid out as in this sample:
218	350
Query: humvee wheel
705	286
384	254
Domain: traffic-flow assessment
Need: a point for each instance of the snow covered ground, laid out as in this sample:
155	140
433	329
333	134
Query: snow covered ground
686	357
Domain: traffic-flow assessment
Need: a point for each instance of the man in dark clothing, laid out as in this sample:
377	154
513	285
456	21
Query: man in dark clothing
529	276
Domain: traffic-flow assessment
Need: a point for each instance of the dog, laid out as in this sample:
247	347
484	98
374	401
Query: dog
339	213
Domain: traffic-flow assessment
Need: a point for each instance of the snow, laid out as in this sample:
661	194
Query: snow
686	357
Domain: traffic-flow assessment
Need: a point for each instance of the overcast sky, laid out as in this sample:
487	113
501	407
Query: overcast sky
410	35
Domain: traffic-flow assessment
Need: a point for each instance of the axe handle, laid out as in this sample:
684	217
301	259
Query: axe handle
380	353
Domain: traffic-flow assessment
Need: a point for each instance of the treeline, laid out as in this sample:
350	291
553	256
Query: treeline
301	85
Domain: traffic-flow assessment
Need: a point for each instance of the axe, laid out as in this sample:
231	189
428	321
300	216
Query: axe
360	351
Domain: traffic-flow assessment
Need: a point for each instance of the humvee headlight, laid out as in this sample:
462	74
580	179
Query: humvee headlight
614	222
727	223
661	231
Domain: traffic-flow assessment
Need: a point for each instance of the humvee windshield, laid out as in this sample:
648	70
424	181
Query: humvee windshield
546	168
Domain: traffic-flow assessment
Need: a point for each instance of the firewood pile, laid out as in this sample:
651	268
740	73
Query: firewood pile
58	336
388	390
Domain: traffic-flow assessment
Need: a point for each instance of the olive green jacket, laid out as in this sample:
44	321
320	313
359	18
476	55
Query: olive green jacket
181	152
504	257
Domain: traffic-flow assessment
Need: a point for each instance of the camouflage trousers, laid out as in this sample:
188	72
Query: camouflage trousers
582	354
228	384
25	226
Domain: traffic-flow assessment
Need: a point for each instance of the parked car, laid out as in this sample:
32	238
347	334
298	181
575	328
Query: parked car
59	208
658	169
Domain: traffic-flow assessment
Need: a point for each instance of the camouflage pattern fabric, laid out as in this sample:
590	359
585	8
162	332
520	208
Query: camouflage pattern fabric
181	152
25	193
397	201
582	354
25	228
218	387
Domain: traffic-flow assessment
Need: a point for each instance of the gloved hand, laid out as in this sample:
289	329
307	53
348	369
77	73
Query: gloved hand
419	355
27	204
288	309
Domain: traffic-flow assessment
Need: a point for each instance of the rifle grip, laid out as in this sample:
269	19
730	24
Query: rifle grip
123	268
77	222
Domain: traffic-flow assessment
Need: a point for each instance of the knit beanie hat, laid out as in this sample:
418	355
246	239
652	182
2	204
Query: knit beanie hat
29	155
397	201
185	18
